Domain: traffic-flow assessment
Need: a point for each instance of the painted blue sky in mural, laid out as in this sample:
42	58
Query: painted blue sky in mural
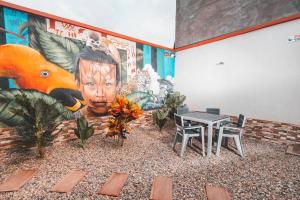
13	19
164	64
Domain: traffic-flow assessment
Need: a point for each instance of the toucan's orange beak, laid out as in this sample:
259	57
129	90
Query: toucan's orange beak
32	71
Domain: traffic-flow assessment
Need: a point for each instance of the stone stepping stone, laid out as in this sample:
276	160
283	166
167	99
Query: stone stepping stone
161	188
70	180
293	149
15	182
114	184
217	193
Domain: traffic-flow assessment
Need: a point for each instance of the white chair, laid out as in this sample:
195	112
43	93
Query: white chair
185	109
215	111
187	133
182	109
235	131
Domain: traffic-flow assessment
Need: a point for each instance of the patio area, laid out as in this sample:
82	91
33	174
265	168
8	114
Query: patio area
266	172
159	100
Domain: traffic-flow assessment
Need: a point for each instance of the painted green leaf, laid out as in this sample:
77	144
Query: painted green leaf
56	49
8	104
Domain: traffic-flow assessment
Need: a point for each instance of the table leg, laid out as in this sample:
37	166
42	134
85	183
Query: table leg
209	142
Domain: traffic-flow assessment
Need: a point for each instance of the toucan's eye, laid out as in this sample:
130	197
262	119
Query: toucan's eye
44	74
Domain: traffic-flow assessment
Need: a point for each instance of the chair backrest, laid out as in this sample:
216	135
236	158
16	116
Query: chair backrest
241	121
215	111
182	109
178	120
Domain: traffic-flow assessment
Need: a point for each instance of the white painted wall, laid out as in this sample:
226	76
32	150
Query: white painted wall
260	76
151	20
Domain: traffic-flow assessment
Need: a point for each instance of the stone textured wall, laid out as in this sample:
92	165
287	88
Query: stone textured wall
276	132
198	20
280	133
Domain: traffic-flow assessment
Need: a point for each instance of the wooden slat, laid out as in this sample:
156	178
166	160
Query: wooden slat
161	188
114	184
16	181
69	181
217	193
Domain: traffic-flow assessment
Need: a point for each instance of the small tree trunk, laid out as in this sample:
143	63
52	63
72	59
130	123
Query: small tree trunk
41	152
122	140
82	144
39	145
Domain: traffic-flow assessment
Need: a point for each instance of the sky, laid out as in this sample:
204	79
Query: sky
149	20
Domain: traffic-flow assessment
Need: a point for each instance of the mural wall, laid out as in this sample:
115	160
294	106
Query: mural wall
85	70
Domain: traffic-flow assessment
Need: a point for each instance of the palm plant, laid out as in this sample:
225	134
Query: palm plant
83	130
39	119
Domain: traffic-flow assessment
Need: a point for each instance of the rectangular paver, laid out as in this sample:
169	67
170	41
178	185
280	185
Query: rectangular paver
69	181
114	184
15	182
161	188
217	193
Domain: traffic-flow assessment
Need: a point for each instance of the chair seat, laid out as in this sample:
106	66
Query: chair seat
191	132
230	135
230	132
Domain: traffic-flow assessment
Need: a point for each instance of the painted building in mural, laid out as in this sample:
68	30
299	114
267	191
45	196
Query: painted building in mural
84	70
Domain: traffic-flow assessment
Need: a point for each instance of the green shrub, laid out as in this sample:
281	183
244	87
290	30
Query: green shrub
160	117
173	101
83	130
39	119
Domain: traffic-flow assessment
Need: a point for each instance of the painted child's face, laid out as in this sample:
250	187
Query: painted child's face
98	85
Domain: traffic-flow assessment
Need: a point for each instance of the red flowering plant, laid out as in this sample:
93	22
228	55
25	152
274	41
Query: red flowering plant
122	111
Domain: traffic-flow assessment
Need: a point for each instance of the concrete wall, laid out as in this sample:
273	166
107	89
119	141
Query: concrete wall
198	20
260	76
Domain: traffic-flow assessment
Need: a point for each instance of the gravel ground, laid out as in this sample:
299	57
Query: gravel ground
265	173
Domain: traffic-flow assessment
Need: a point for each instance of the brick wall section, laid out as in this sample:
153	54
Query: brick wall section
277	132
64	132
